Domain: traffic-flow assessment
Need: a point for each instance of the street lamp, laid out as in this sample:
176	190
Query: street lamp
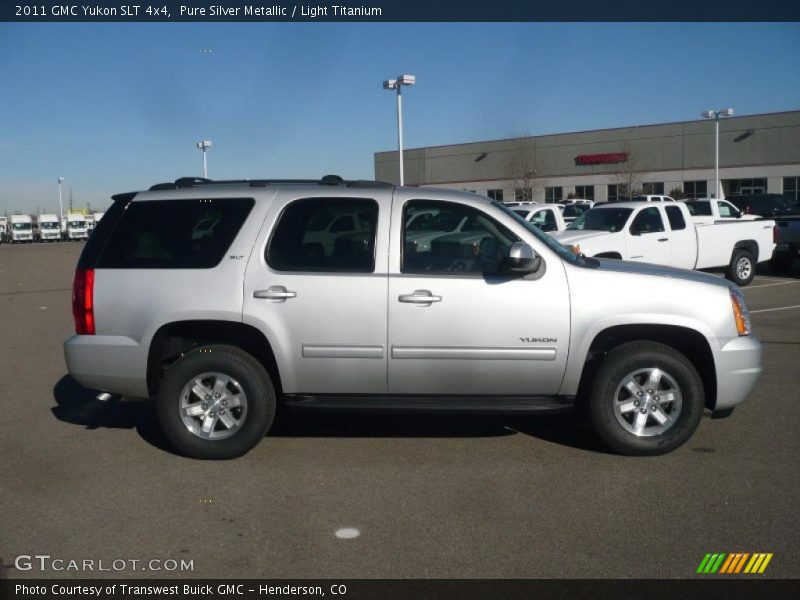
202	146
60	204
397	84
716	114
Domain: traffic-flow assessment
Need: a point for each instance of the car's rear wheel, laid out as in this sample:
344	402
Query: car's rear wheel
647	398
742	267
216	402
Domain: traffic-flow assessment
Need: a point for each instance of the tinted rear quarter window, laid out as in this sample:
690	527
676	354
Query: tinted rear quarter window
174	234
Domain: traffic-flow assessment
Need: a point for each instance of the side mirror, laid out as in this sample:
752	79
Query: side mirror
635	231
521	259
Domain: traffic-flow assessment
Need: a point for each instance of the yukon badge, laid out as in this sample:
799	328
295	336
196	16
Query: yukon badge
536	340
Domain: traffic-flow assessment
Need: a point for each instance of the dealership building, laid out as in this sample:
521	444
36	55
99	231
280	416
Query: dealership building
757	154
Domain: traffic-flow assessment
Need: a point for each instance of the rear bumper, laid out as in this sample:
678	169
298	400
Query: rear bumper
738	369
116	364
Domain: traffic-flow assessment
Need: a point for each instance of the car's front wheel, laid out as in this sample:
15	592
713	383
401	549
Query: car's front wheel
647	399
216	402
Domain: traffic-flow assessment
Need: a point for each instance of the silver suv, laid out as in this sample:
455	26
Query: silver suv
228	300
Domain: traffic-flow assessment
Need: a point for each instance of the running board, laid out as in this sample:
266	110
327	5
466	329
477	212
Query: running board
418	403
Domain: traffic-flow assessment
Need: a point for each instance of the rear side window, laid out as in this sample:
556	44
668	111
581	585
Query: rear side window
675	216
174	234
325	234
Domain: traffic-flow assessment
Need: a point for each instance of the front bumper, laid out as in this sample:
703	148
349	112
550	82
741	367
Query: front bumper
111	363
738	362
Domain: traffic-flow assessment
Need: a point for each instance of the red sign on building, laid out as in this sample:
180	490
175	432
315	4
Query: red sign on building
609	158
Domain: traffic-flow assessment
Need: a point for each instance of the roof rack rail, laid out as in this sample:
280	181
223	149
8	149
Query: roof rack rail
331	180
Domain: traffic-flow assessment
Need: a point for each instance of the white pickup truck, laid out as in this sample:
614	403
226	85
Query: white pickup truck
666	234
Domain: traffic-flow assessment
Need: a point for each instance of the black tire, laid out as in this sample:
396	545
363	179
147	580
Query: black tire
742	267
630	358
254	382
781	261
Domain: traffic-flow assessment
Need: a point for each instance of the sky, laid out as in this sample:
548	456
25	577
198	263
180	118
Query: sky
115	107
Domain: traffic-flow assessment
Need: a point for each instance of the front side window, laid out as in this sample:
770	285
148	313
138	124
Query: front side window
545	220
675	216
476	244
727	210
325	234
174	234
647	221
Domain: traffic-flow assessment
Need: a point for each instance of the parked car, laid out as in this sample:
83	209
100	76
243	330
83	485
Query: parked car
666	234
766	205
227	329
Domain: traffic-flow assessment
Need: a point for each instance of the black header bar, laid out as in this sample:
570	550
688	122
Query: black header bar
140	11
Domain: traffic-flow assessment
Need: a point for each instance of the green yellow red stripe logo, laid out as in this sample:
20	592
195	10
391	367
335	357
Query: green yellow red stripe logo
734	563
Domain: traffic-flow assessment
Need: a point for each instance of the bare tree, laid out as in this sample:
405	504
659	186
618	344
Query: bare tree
629	173
520	167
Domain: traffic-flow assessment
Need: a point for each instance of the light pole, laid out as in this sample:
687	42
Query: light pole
397	84
60	204
716	114
202	146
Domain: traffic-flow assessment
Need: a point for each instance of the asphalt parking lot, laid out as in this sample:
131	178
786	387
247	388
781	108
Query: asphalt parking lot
441	497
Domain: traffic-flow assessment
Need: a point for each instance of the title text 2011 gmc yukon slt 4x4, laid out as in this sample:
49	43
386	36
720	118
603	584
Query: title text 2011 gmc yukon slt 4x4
226	299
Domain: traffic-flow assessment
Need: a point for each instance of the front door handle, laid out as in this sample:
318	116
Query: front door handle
663	239
274	292
420	297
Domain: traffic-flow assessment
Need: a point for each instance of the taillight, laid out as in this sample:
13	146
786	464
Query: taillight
83	301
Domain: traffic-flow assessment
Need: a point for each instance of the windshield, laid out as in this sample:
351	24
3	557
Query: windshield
555	246
48	225
76	224
602	219
21	226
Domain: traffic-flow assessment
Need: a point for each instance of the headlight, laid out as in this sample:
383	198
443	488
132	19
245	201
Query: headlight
740	312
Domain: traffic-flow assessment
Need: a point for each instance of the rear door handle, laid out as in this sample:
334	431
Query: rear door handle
274	292
663	239
421	297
